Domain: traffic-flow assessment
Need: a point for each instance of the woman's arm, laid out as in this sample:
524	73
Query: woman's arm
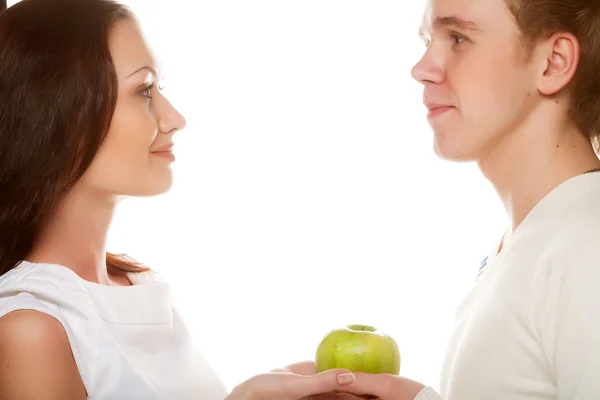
36	362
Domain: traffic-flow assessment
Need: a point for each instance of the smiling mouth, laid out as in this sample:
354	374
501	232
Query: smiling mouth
434	112
168	154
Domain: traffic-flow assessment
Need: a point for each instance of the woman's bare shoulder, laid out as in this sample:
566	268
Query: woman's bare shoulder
36	361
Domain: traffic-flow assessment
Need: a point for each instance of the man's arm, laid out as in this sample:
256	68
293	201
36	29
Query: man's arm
36	362
428	394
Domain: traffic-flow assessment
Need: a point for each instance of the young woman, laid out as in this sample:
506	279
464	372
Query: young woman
83	124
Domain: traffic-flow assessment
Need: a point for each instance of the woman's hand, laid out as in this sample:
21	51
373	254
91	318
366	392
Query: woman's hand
294	382
384	386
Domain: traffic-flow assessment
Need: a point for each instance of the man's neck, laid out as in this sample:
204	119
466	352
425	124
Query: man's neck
528	164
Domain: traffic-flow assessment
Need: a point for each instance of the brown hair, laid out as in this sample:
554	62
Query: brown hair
540	19
58	91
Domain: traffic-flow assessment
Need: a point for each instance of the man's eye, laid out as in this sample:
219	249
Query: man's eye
458	39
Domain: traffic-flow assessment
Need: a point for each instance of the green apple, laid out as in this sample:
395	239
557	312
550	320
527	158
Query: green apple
358	348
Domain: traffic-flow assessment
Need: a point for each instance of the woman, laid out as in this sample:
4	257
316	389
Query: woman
83	124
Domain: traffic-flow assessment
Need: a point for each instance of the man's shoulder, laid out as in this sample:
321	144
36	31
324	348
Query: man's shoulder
577	216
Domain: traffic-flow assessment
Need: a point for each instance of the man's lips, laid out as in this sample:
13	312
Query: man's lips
436	109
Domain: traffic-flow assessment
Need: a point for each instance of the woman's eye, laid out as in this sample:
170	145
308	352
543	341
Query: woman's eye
147	91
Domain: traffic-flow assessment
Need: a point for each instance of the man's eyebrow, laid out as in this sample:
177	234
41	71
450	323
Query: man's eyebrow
453	22
152	70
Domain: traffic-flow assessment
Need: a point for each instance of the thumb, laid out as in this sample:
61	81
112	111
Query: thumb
384	386
299	386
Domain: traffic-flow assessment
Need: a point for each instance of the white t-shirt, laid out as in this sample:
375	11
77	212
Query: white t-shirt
128	341
530	327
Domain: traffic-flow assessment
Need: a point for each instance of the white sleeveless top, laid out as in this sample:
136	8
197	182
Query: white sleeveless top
128	341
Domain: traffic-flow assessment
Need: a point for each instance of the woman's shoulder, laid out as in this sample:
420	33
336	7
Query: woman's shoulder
44	287
58	296
30	277
37	348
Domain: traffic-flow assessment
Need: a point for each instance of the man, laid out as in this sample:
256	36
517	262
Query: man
514	85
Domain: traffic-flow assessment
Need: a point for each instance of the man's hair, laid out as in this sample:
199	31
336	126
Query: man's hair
540	19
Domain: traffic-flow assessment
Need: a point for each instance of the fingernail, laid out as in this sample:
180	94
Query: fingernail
345	378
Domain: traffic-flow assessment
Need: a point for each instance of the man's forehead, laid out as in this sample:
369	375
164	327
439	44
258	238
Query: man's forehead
465	14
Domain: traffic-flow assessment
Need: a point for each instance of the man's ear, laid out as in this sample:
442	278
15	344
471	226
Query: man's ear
558	59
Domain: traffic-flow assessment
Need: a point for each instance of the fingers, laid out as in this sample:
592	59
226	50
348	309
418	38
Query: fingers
333	396
384	386
300	368
299	386
378	385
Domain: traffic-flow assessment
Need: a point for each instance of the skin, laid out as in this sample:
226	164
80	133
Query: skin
75	236
527	111
521	137
47	370
298	381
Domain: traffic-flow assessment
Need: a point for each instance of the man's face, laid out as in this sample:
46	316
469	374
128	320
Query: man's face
476	80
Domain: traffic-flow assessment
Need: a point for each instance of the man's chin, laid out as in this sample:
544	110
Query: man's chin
457	155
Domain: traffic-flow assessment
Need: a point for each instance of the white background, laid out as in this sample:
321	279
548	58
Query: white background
307	193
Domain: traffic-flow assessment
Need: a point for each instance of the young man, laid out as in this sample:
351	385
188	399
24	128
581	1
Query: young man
514	85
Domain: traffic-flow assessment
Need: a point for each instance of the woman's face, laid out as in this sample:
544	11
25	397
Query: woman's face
135	159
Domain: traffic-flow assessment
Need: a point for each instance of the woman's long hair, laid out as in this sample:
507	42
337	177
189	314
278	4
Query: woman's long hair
58	91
